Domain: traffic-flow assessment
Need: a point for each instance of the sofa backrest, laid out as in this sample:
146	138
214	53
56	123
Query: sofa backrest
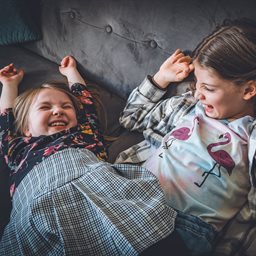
118	42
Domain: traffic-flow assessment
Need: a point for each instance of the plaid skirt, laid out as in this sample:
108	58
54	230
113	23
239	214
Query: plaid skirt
73	204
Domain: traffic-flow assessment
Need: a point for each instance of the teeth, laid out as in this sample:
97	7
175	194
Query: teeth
58	124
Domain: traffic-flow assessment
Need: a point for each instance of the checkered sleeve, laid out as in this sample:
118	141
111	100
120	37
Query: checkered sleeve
145	108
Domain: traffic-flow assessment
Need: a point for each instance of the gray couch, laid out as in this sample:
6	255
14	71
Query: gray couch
116	44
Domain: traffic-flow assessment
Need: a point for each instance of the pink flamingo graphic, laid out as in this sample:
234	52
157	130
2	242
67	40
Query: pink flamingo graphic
222	158
182	133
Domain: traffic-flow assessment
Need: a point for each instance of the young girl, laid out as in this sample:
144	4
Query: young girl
65	200
48	119
201	146
52	108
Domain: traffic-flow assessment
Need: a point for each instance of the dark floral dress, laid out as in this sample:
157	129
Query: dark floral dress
18	155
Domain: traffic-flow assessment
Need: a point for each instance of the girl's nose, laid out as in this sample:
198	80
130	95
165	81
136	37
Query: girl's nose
199	95
57	111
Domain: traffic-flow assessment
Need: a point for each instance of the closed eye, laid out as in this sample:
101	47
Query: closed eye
44	107
68	106
209	89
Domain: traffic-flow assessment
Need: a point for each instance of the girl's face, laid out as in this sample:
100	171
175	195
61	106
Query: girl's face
51	111
221	98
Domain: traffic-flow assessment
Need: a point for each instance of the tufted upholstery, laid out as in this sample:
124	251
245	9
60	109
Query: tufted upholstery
117	43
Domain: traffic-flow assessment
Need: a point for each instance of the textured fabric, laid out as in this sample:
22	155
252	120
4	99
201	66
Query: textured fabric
74	204
238	238
145	111
17	22
117	42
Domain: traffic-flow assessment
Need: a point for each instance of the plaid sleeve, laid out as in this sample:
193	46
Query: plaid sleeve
145	108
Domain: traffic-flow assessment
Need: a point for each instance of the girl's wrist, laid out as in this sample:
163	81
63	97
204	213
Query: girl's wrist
151	79
10	85
159	81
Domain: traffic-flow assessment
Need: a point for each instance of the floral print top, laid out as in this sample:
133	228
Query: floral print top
18	155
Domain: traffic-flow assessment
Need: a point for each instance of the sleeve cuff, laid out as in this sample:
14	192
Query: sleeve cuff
151	91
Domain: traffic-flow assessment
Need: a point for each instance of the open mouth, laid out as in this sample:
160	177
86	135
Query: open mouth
53	124
208	108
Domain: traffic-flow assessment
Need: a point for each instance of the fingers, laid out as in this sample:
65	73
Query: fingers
67	61
21	72
9	70
191	67
180	57
64	61
184	58
183	70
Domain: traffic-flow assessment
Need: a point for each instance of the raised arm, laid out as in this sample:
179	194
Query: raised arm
144	108
68	68
10	78
87	115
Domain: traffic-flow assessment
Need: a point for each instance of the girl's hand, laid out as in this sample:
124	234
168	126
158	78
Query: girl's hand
68	64
9	75
174	69
68	68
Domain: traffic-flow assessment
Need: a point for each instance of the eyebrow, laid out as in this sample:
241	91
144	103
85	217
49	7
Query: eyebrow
212	85
48	103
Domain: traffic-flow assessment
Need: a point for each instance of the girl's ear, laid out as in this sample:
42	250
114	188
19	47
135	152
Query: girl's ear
27	133
250	90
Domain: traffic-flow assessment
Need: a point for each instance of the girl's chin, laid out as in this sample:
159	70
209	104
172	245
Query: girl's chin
211	114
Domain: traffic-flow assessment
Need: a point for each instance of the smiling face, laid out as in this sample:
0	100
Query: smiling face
51	111
222	99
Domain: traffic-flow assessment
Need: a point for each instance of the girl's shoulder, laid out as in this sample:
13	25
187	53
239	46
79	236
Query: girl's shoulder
185	100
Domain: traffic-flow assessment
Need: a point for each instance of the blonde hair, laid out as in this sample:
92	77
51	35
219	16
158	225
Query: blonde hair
24	101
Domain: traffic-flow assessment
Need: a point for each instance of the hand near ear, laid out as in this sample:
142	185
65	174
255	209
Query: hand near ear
176	68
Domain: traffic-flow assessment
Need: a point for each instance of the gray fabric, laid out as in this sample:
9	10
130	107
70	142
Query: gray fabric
119	42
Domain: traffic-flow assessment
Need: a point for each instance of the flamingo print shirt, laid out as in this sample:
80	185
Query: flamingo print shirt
18	155
205	166
200	163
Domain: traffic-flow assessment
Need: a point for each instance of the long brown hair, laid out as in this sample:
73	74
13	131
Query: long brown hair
230	50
